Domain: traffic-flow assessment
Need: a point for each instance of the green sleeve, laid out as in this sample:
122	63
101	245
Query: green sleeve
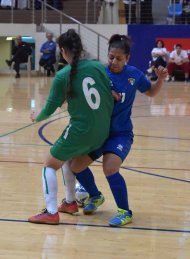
56	97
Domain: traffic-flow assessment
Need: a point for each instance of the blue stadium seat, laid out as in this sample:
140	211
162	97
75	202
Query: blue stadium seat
175	9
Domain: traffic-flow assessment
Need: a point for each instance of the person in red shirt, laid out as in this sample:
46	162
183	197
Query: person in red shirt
178	61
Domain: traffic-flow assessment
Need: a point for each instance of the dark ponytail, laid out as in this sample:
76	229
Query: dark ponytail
71	41
120	41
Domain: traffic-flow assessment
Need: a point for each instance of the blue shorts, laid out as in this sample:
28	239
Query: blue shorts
118	144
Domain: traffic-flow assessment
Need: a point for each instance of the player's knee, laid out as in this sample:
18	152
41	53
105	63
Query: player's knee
52	162
110	169
75	168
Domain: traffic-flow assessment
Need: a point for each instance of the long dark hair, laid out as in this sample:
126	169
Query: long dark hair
161	43
71	41
120	41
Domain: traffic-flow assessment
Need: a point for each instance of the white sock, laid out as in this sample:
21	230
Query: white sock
50	189
69	182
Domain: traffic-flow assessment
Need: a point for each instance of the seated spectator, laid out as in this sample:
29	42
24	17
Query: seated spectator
20	54
48	58
159	57
178	61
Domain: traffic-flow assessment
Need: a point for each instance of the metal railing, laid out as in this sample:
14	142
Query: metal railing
90	14
136	12
153	12
94	43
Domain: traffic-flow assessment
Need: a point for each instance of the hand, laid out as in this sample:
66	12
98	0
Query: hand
178	62
116	96
161	72
33	116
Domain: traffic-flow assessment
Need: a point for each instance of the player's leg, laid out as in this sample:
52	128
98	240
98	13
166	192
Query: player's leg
60	152
83	174
50	67
86	179
49	179
96	198
17	69
111	165
43	63
68	204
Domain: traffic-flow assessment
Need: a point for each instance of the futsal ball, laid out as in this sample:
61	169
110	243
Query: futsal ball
80	194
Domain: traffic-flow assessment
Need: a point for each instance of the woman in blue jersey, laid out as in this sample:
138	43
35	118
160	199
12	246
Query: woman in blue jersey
127	80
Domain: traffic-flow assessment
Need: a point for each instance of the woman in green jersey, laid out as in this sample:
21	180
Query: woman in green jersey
85	86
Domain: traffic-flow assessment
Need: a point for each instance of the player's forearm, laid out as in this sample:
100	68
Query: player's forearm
161	73
155	88
47	110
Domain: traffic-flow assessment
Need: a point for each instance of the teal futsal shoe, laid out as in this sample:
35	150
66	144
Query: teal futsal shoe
92	203
122	218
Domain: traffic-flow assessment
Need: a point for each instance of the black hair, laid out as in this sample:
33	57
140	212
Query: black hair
120	41
178	45
71	41
161	42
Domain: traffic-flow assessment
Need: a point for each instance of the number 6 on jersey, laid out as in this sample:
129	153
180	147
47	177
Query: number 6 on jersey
89	92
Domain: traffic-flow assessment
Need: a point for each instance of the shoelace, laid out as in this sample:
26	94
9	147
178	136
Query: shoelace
90	200
121	212
43	211
93	199
65	202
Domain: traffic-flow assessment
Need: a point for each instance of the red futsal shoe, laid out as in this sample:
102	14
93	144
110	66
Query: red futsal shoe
70	208
45	218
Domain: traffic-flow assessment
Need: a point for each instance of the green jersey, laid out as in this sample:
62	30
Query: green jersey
90	109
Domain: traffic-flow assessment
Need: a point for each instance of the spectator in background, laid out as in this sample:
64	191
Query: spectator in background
20	53
178	61
54	3
159	58
48	58
57	4
7	4
37	5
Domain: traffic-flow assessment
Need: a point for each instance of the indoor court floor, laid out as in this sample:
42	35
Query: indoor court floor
157	172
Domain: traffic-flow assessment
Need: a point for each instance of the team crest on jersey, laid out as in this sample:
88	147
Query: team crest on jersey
131	81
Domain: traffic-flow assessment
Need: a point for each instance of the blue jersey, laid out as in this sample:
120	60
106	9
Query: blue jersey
51	47
121	135
126	83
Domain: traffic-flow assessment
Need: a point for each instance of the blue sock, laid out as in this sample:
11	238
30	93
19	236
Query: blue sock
86	178
119	190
